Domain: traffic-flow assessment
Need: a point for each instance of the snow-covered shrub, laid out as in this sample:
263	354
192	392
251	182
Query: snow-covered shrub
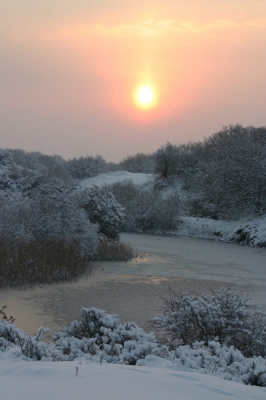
32	346
102	208
8	331
224	316
221	360
119	343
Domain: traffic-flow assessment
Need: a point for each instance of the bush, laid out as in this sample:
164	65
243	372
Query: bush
112	250
119	343
223	316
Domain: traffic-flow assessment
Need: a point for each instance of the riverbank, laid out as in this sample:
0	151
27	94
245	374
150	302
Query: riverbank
249	232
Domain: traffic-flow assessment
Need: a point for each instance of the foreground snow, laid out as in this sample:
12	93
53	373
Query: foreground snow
50	380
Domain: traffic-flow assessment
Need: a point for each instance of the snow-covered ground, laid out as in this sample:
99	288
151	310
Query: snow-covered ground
116	176
26	380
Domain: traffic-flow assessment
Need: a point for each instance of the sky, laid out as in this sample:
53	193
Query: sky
70	72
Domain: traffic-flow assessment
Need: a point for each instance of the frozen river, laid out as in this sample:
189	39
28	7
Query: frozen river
133	290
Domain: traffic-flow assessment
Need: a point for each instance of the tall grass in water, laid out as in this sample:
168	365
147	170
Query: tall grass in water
114	250
25	263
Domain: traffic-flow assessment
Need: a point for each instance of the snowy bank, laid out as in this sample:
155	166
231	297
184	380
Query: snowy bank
251	232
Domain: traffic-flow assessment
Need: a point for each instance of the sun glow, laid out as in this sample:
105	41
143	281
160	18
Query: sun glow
145	97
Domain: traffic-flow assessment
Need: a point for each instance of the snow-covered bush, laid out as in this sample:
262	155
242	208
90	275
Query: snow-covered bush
224	316
8	331
102	208
119	343
221	360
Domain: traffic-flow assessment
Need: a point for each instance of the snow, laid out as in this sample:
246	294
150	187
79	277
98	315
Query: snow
58	380
117	176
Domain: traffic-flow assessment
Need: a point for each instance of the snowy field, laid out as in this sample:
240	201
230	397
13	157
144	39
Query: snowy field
58	381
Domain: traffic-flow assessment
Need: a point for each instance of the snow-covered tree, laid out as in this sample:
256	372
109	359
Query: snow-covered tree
230	181
166	160
102	208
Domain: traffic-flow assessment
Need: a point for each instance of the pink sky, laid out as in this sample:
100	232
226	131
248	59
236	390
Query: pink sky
69	68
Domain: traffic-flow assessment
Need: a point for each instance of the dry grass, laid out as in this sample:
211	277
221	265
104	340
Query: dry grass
112	250
23	264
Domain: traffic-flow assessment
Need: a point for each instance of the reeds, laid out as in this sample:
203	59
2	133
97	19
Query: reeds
114	250
25	263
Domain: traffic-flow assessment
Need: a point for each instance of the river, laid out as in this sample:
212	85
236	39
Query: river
134	289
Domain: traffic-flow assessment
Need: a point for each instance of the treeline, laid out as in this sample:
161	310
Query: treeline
223	176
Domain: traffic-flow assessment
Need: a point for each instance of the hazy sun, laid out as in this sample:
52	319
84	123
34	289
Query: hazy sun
145	97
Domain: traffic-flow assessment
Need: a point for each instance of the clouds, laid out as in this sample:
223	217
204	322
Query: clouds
151	28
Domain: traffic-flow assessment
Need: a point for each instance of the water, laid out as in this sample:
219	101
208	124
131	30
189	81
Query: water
134	289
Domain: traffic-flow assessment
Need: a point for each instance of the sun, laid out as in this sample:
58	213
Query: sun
145	97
